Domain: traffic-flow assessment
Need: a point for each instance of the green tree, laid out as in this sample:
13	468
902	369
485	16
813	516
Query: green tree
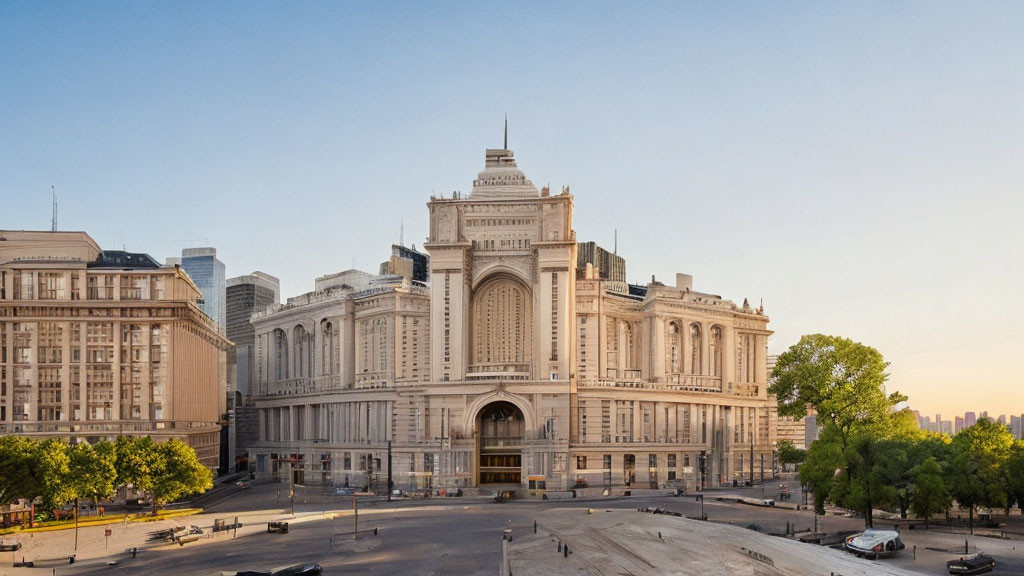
824	462
138	461
92	472
930	495
56	486
973	475
1012	473
843	380
19	469
181	474
790	454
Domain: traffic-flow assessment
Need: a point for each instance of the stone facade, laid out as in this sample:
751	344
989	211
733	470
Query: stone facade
97	344
514	367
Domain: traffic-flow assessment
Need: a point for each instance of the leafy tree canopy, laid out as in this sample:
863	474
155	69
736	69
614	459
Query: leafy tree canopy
92	472
19	469
57	487
843	380
182	473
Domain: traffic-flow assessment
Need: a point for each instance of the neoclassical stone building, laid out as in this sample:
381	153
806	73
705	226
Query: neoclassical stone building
96	344
513	366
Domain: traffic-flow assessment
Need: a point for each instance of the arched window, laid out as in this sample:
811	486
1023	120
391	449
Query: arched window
381	344
674	341
696	350
630	352
501	322
280	355
300	350
716	350
327	346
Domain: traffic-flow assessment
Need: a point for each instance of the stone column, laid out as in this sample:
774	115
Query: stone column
657	344
687	362
705	351
115	366
65	367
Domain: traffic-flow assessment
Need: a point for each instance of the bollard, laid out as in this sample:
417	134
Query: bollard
915	551
534	526
559	545
374	531
565	551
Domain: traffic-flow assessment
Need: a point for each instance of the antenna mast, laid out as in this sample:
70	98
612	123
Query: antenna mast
53	224
401	233
506	132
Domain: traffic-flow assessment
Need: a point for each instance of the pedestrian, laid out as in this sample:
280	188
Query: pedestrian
102	511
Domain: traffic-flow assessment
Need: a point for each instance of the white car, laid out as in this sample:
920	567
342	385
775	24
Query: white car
873	543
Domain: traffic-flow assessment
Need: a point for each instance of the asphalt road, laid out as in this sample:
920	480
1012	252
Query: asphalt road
437	536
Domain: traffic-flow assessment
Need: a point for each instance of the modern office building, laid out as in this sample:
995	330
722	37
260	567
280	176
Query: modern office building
407	262
513	367
207	272
607	266
244	295
96	344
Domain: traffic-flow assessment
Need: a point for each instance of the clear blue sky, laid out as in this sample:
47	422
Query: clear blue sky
857	165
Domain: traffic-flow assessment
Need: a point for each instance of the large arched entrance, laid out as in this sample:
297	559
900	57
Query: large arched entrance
500	443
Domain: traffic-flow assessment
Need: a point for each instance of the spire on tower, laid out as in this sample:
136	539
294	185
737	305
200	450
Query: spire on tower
53	224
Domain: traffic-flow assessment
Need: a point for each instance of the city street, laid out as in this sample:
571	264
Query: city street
429	537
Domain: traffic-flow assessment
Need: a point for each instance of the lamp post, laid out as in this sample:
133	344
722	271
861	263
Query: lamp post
440	460
391	484
751	457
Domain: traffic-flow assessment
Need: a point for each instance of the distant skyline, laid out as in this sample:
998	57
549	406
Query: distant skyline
857	166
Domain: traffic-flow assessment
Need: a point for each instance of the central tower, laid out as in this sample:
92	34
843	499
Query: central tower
502	281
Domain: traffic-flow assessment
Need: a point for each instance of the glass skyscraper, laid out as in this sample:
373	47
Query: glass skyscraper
207	272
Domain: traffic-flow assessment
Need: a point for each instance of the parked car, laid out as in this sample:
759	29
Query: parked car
344	491
10	546
873	543
973	564
280	527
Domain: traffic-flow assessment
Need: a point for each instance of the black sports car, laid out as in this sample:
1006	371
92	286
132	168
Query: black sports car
973	564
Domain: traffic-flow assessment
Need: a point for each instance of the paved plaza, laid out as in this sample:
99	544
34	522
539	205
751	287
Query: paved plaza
432	536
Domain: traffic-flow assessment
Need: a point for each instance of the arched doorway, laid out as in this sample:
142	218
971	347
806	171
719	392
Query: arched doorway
500	428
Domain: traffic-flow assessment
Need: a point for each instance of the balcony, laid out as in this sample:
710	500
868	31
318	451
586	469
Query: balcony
296	386
499	371
674	382
102	427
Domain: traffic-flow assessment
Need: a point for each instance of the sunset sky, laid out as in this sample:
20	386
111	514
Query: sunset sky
859	166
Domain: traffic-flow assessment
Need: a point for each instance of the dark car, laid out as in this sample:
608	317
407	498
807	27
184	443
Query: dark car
10	546
973	564
308	569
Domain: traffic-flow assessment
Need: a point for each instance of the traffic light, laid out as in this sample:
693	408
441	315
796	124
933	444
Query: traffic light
703	460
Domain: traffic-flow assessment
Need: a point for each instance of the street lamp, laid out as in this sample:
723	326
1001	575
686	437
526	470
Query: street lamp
751	457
